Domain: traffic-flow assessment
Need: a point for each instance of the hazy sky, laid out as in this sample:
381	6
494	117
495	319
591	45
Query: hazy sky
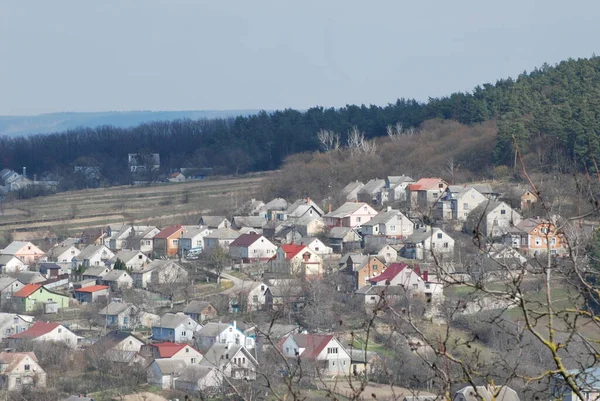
250	54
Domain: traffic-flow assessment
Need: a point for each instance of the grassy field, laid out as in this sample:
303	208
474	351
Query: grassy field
71	212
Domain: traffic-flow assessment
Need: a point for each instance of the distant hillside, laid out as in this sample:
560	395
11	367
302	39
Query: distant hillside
58	122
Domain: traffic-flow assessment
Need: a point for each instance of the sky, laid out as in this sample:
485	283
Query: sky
121	55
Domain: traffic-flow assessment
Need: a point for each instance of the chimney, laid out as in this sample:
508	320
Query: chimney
426	276
25	172
308	199
389	208
330	208
234	324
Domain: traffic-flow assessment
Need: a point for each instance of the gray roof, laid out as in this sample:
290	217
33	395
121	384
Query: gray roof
352	187
158	264
224	233
89	251
78	398
382	290
115	308
14	247
125	255
96	271
372	187
57	250
299	207
8	317
220	355
115	275
4	259
193	373
28	277
170	366
192	231
249	221
395	180
212	329
196	306
382	217
276	204
346	209
174	320
339	232
6	281
213	221
422	234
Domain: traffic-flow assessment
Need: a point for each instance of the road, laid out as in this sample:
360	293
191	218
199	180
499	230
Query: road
238	284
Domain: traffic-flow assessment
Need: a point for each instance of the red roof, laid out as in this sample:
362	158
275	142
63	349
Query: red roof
292	250
426	184
38	329
245	240
174	174
168	349
167	232
389	273
27	290
313	344
92	288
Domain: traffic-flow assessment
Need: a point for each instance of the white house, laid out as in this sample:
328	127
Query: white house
221	237
159	271
492	219
164	372
458	202
323	349
411	278
222	333
8	287
252	297
10	264
390	223
64	252
396	188
43	331
19	369
133	259
93	255
234	361
350	214
251	247
175	327
297	259
12	323
117	280
196	378
316	245
426	242
170	350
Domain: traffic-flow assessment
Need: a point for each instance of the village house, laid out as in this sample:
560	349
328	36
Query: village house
371	266
92	293
93	255
121	341
324	350
214	222
536	237
12	323
350	214
390	223
250	223
344	239
159	272
193	238
222	333
252	297
587	381
395	188
95	273
249	248
20	369
297	259
371	192
196	378
487	393
117	280
251	207
528	198
92	236
316	245
44	331
175	327
200	310
303	209
164	372
220	238
64	252
119	314
133	259
234	361
176	177
132	237
350	191
25	251
31	277
10	264
166	242
424	193
492	219
411	279
387	253
9	286
426	242
53	270
35	296
171	350
457	202
273	210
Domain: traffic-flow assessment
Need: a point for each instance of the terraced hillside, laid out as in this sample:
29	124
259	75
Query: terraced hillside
71	212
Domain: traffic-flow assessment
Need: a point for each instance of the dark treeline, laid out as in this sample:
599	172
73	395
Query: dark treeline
556	107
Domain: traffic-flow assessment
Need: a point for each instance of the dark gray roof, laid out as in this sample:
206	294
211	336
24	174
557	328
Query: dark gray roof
212	329
196	306
219	355
174	320
372	187
115	308
170	366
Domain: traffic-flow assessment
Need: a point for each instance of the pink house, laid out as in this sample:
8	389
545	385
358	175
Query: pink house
350	214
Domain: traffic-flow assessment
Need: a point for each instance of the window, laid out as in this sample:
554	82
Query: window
439	235
27	367
139	256
262	287
287	350
243	360
544	230
193	360
445	245
187	349
255	298
183	334
538	241
372	298
415	286
332	350
375	228
358	219
175	241
502	211
59	330
440	185
553	241
374	267
465	206
392	228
